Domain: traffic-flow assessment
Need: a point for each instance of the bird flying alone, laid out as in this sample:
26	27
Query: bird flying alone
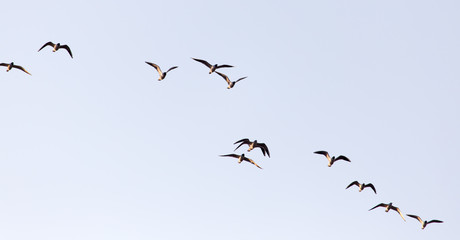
212	68
11	65
389	207
333	159
424	223
241	158
162	74
230	83
253	145
56	47
362	186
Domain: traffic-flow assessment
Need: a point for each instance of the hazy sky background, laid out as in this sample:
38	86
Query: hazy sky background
95	147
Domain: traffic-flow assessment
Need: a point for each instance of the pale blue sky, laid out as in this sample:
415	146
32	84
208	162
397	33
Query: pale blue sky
96	148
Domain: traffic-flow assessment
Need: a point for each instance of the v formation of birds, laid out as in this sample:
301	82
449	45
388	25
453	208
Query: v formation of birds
245	141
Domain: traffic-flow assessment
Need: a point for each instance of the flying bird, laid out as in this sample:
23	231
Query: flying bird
424	223
333	159
253	145
56	47
162	74
212	68
11	65
362	186
388	207
241	158
230	83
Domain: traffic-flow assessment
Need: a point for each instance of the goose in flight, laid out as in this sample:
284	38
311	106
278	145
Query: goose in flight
230	83
162	74
56	47
333	159
424	223
241	158
388	207
212	68
11	65
362	186
253	145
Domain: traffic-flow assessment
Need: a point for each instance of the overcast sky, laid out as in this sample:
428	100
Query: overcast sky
96	148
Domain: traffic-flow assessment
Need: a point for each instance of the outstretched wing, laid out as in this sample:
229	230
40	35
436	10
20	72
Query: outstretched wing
371	186
399	211
245	140
203	62
3	64
242	141
240	79
19	67
68	49
231	155
416	217
341	157
155	66
434	221
223	66
224	76
380	205
251	161
46	44
264	148
353	183
326	154
172	68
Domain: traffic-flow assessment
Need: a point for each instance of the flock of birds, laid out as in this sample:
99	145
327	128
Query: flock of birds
162	75
245	141
362	186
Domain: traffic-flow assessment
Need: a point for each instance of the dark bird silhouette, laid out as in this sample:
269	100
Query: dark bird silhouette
241	158
162	74
230	83
11	65
333	159
424	223
389	207
212	68
253	145
56	47
362	186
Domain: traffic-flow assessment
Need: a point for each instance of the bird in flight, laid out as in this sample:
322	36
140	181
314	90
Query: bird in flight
389	207
241	158
230	83
56	47
424	223
333	159
11	65
362	186
253	145
212	68
162	74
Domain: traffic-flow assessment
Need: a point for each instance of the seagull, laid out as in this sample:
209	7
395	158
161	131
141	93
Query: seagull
230	83
424	223
333	159
362	186
212	68
241	158
253	145
56	47
162	74
388	207
11	65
